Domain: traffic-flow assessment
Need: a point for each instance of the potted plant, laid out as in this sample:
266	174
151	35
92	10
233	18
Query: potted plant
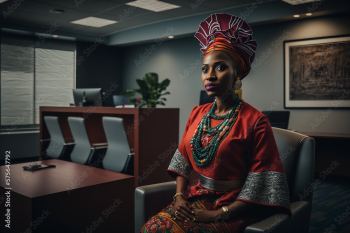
150	90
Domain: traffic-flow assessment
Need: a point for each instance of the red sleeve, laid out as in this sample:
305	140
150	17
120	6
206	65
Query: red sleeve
180	163
266	182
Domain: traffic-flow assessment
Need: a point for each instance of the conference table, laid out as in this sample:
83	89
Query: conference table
67	198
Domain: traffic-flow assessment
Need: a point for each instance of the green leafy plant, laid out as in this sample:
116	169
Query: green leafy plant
150	90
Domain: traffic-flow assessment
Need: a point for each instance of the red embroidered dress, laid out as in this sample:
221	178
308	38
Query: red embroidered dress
248	152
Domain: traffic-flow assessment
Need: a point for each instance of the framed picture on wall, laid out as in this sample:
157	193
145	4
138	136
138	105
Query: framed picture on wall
317	73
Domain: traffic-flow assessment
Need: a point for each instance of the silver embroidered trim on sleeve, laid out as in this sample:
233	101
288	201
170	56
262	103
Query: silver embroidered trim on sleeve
266	187
180	165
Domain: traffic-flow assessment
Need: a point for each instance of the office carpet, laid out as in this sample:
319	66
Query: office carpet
331	206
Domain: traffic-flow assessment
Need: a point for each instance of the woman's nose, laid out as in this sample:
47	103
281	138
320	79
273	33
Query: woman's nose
211	74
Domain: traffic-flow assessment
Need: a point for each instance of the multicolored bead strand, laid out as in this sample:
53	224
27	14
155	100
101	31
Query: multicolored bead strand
203	156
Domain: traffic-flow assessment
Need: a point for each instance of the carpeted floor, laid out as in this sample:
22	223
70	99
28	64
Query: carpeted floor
331	206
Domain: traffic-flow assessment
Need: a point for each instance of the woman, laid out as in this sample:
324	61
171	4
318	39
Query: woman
228	142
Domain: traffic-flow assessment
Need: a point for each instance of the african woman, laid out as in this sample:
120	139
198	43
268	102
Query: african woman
228	142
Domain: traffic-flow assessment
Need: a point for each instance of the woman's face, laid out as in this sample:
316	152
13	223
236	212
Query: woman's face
219	69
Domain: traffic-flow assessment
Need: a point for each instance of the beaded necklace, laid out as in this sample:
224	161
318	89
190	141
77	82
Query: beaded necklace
203	156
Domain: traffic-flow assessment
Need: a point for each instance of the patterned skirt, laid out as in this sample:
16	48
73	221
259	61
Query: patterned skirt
162	221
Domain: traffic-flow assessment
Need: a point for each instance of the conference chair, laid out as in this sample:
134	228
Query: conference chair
297	152
56	147
84	152
119	156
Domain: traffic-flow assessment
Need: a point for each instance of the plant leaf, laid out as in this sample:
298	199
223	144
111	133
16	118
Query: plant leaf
152	80
163	85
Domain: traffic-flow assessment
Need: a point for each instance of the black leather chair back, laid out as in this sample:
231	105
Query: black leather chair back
297	152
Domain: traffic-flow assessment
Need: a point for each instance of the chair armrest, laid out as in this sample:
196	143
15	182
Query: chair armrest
100	144
129	165
96	156
280	223
301	214
69	143
277	223
45	140
98	147
67	150
150	200
44	145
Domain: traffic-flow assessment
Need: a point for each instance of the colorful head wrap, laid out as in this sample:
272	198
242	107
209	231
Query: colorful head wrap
230	34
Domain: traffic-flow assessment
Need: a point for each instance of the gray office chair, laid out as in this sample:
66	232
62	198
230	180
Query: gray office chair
119	156
83	152
297	152
55	147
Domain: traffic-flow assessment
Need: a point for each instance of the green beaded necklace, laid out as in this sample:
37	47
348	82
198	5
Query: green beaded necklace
203	156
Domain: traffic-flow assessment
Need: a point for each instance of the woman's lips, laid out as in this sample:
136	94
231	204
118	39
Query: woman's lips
209	87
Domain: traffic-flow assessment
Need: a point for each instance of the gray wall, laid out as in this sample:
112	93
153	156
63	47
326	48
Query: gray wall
262	88
99	65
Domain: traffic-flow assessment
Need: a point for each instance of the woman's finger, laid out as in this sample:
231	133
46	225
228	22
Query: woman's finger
181	216
187	212
190	207
177	217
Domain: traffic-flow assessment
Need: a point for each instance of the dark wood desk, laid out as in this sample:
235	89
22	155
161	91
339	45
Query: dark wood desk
68	198
331	147
153	133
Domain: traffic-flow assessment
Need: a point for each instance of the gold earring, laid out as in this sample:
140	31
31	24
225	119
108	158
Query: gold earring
238	84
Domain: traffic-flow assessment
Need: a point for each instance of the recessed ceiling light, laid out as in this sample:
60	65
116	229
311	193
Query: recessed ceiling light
308	14
55	36
296	16
1	1
152	5
94	22
170	37
57	11
297	2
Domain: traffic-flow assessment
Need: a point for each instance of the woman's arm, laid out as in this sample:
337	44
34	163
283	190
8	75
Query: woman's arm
242	208
181	184
235	210
182	206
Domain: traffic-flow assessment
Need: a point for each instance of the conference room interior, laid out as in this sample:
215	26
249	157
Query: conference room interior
67	71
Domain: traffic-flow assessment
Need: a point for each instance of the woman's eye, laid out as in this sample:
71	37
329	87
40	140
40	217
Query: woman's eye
220	67
204	70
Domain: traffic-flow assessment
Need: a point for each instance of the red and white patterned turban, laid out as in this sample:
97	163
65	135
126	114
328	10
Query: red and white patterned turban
230	34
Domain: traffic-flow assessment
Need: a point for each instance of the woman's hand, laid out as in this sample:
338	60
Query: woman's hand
183	208
206	215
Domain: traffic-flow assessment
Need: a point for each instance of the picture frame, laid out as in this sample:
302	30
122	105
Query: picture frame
317	73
